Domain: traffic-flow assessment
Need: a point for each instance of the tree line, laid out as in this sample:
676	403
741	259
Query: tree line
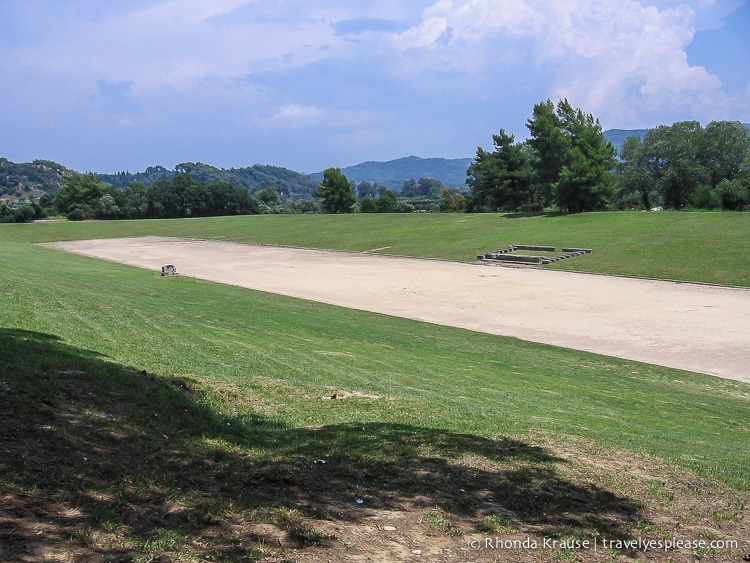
85	196
340	195
685	165
568	164
289	184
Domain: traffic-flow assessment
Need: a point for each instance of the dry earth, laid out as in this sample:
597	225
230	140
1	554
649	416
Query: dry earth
694	327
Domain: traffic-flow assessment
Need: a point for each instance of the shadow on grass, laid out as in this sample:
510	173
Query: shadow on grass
99	459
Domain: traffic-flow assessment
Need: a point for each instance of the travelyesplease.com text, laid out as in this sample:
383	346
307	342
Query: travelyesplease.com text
595	543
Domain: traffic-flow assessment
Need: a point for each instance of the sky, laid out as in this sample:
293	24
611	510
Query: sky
307	85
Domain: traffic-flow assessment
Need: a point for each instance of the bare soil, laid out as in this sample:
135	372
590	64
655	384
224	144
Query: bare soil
695	327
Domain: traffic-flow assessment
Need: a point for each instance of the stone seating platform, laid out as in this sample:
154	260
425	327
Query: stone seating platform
507	255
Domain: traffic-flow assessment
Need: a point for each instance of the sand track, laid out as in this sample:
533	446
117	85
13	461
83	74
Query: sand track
689	326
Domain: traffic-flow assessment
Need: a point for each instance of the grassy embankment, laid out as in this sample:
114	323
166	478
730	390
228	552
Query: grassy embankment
707	247
124	393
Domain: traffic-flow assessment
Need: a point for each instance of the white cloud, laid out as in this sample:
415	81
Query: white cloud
175	43
292	116
359	80
625	63
618	59
189	12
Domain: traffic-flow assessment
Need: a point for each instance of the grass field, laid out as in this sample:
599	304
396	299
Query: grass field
707	247
144	416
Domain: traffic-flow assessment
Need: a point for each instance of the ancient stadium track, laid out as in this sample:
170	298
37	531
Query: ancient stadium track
694	327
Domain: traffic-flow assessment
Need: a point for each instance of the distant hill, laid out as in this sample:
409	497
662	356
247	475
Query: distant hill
451	172
29	180
618	136
288	183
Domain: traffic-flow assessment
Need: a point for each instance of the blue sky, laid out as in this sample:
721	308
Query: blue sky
305	84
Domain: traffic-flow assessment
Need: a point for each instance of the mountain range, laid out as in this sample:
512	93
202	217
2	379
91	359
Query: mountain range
450	171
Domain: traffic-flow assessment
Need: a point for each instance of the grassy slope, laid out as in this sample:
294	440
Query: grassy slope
219	436
706	247
439	377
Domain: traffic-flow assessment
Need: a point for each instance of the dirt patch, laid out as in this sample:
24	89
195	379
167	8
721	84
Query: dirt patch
688	326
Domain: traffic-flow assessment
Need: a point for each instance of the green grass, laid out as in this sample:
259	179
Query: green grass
707	247
142	416
291	353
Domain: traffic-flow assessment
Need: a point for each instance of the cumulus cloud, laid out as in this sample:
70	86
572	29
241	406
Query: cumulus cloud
470	21
375	77
616	58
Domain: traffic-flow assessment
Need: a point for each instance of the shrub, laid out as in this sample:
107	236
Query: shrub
403	207
535	207
308	206
367	205
734	194
705	197
386	203
80	212
25	213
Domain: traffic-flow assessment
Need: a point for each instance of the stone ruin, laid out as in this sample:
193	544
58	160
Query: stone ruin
169	270
507	255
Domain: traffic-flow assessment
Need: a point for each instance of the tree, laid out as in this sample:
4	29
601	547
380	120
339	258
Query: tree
672	155
367	205
429	186
409	188
501	180
386	203
734	194
47	203
159	200
336	192
136	201
107	208
574	156
684	164
80	192
585	183
725	149
24	213
268	195
222	198
633	176
366	189
549	143
452	203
